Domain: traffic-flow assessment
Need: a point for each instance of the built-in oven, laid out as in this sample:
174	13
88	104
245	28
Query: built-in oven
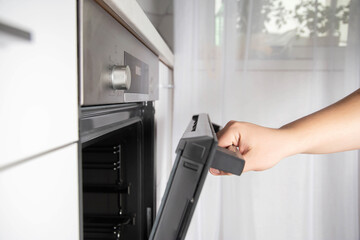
119	84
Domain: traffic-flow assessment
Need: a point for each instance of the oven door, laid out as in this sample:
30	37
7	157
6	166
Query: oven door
197	151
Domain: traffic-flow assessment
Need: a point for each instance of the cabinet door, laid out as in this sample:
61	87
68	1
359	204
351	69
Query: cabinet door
39	197
38	77
164	120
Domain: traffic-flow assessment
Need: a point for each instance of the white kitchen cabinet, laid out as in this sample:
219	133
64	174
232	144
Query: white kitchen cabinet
39	197
164	120
38	78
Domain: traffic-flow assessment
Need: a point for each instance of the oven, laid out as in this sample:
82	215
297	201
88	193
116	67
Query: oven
119	84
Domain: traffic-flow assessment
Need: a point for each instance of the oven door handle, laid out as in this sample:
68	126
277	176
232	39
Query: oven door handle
228	161
10	34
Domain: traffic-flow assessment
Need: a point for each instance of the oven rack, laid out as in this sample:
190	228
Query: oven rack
96	226
107	188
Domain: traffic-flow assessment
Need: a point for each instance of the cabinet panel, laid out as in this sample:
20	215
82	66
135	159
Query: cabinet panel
39	197
164	123
38	78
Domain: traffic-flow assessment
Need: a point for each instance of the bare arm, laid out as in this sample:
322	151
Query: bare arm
333	129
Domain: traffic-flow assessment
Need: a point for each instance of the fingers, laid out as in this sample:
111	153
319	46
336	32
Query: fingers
246	168
217	172
229	135
233	148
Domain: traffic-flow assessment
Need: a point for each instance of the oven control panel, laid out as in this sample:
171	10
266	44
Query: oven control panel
115	66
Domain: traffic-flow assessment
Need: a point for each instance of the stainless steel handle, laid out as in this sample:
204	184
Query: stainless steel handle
10	34
120	77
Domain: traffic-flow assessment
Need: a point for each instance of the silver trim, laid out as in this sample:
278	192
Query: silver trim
81	50
136	97
168	86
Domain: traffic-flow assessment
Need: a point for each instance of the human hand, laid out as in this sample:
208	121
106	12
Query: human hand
261	147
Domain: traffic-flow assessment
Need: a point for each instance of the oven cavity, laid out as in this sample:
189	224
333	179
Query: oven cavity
117	171
111	167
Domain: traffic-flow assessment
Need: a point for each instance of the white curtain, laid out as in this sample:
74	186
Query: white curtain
269	63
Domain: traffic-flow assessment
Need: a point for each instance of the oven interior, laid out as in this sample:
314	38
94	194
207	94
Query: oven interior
117	183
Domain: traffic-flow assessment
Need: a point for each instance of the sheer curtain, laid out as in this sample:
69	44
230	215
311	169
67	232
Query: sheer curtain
270	62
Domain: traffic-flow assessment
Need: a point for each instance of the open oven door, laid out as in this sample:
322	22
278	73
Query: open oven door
197	151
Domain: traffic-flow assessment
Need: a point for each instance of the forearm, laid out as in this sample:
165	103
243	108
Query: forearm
332	129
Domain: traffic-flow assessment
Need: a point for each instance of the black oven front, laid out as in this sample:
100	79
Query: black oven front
118	188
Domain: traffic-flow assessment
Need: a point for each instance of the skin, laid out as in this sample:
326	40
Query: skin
335	128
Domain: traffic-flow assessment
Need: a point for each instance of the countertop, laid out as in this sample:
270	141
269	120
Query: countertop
131	15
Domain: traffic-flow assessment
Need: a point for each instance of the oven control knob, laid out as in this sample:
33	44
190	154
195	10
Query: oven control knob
121	77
